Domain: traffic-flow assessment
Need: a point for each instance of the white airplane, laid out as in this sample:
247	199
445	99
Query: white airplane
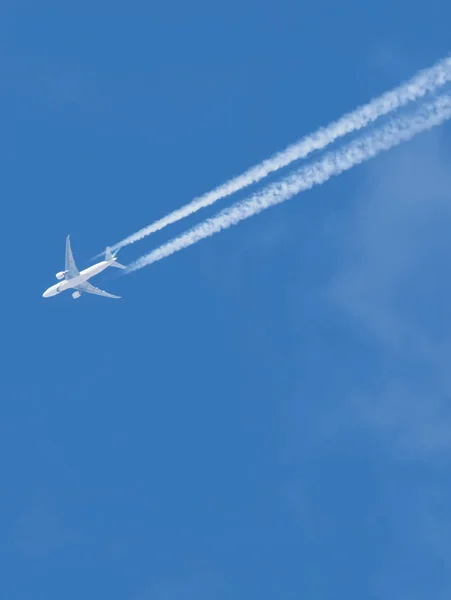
78	280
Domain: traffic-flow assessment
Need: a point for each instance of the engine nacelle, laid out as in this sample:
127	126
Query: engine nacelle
76	295
60	275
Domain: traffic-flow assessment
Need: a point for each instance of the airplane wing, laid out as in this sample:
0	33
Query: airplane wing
87	288
71	268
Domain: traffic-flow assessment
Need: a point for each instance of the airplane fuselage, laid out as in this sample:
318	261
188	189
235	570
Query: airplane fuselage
84	275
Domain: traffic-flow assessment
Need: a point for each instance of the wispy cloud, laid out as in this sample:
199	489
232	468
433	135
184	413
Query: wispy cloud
197	586
41	532
51	85
392	287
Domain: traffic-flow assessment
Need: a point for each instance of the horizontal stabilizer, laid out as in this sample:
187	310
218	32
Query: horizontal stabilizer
117	265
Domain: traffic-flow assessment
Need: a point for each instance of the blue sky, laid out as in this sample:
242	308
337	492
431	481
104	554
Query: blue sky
266	414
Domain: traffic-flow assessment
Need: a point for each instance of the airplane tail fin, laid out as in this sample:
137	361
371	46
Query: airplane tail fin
109	255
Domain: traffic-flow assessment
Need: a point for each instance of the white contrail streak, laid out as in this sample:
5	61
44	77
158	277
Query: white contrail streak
424	82
397	130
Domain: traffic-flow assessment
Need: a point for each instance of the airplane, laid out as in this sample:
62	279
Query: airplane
78	280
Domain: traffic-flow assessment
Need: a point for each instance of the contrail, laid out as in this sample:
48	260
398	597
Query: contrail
424	82
396	131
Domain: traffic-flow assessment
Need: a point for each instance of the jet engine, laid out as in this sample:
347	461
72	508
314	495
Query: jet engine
76	295
60	275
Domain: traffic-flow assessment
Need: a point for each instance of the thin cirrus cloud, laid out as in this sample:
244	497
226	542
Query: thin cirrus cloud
393	285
